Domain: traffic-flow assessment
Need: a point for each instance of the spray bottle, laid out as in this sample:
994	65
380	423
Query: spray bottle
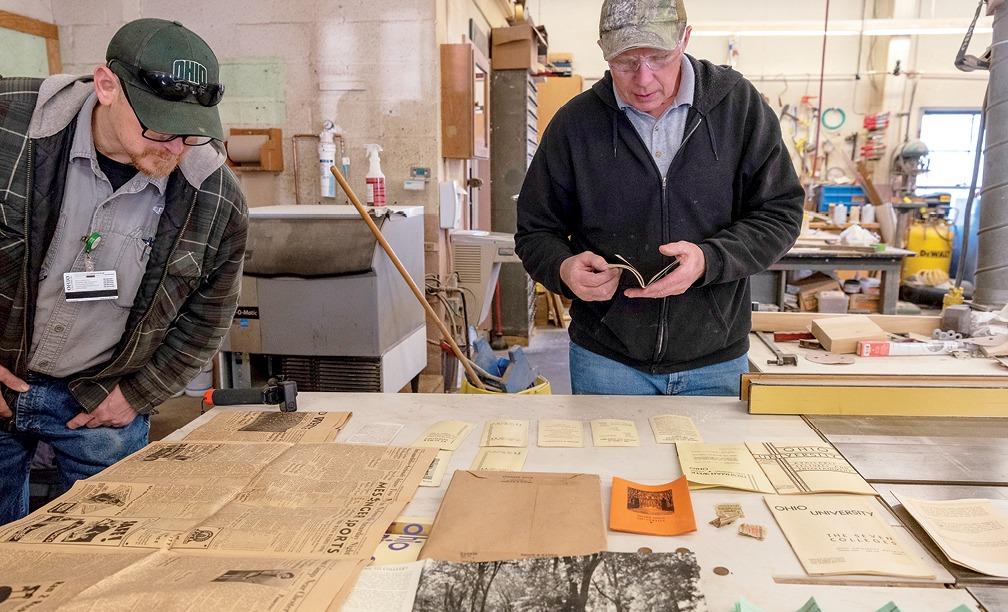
327	159
375	178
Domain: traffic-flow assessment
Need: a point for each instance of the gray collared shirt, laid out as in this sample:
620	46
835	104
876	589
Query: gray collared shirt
663	135
69	337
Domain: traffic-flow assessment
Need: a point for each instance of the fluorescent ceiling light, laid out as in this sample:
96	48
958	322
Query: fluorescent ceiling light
848	27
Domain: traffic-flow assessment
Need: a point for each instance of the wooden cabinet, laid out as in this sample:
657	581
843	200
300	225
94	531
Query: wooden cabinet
465	102
553	93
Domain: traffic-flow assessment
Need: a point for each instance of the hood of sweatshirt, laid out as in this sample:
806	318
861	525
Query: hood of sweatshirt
62	96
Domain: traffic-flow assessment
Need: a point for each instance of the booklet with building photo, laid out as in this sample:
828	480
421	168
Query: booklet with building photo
626	265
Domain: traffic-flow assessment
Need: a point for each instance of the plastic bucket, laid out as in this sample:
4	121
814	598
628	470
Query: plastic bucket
541	387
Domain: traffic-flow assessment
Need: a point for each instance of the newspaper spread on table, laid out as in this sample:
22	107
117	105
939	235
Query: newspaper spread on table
213	525
260	426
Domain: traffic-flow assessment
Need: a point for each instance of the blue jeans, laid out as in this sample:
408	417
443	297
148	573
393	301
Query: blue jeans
593	374
41	414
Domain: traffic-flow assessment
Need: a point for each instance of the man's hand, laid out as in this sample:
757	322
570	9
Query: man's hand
590	277
114	411
13	382
692	266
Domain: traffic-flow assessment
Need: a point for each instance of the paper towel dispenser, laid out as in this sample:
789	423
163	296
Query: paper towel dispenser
255	149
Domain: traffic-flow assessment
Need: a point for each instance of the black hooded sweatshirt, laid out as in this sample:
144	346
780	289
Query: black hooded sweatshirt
731	189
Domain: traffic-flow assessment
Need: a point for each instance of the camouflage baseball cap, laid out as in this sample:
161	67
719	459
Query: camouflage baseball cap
635	24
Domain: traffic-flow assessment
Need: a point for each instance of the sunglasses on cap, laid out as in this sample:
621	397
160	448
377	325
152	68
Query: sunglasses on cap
167	87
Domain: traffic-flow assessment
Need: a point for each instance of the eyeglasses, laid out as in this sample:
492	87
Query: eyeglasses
655	63
188	140
167	87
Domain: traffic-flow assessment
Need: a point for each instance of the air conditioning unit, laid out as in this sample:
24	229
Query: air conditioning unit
478	256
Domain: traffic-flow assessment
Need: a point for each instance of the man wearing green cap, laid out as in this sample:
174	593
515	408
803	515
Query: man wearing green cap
122	235
666	161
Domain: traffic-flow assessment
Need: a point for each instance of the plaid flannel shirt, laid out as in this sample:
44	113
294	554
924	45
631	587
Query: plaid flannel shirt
189	291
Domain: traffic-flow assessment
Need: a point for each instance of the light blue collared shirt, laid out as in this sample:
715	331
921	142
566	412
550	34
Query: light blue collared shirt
663	135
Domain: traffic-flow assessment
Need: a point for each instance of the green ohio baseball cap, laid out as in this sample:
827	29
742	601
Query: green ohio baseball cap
171	77
636	24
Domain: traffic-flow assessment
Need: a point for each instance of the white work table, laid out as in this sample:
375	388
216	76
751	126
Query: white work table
753	564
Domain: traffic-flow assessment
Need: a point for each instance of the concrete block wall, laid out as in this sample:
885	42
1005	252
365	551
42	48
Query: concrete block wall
36	9
365	65
370	66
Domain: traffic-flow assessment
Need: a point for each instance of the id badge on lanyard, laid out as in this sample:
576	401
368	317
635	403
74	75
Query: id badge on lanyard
90	285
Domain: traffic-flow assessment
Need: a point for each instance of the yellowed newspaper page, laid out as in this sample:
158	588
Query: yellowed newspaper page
325	500
96	498
673	428
97	531
445	435
223	464
799	468
841	534
614	432
505	432
721	465
971	532
561	433
271	426
44	577
170	581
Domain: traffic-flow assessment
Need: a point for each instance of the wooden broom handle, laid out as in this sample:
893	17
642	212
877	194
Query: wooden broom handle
406	277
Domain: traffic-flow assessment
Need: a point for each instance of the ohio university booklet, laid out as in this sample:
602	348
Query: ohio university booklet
842	534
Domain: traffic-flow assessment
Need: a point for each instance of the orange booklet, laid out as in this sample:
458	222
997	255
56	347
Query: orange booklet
652	510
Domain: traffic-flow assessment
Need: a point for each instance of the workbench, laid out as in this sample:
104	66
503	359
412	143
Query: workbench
766	573
889	262
925	365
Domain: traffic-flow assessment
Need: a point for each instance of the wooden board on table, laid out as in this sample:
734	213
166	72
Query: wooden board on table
879	395
794	321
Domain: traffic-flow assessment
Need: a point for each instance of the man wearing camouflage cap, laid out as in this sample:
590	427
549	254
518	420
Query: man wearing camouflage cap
122	235
666	160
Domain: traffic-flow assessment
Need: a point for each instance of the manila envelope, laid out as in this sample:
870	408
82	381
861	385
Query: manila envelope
500	516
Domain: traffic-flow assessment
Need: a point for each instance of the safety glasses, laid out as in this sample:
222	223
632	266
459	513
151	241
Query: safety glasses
654	63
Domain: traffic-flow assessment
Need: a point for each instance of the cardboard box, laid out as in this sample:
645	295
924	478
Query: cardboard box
842	334
865	303
872	348
514	48
835	302
809	288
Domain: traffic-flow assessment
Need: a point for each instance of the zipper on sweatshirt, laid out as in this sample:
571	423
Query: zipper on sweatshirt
662	328
661	341
29	189
134	338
